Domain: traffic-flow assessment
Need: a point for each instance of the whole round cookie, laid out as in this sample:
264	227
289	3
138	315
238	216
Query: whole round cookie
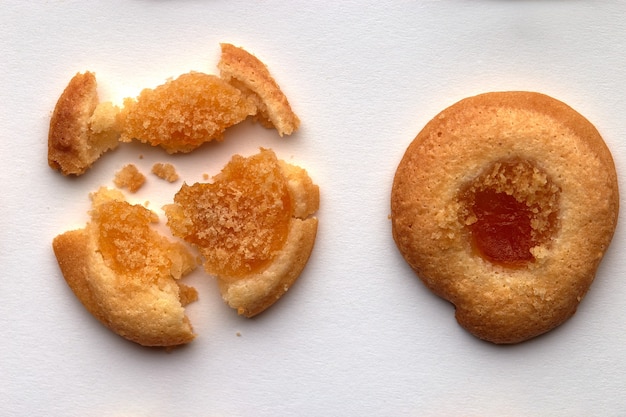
504	205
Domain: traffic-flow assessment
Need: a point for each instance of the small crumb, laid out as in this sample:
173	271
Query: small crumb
165	171
238	334
129	177
187	294
140	156
205	177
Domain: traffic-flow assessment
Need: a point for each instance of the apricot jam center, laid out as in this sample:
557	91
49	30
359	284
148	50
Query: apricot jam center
241	220
511	212
125	237
502	232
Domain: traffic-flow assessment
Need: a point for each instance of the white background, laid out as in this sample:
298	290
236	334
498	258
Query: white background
358	334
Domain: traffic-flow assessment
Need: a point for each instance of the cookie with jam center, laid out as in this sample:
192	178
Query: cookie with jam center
505	204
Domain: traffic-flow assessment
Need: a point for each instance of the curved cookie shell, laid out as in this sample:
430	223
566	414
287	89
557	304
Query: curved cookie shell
125	273
81	127
246	72
504	205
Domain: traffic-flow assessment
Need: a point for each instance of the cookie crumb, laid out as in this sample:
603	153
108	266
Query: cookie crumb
129	177
238	334
165	171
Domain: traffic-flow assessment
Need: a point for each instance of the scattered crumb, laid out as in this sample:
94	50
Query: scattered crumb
165	171
205	177
238	334
187	294
129	177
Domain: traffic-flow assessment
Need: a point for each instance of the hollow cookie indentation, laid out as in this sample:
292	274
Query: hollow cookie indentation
511	212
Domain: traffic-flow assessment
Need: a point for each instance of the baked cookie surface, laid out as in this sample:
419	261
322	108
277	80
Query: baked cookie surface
504	205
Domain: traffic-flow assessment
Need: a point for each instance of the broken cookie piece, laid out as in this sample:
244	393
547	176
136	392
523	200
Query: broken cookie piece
179	115
250	75
125	273
81	128
253	226
184	113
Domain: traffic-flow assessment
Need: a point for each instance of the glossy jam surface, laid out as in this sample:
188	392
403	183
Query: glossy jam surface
511	211
239	221
502	232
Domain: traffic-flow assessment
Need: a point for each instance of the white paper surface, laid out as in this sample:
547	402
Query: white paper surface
358	334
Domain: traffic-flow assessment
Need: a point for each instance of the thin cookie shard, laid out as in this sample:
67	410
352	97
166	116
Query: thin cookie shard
504	205
125	273
81	128
253	226
250	75
184	113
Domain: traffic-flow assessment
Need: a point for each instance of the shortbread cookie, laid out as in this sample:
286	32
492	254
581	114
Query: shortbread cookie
253	226
81	128
505	204
250	75
126	274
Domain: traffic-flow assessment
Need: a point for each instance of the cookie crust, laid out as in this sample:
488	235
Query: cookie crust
81	128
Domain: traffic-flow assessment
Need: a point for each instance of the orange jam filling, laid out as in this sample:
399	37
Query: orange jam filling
502	232
241	220
511	210
125	234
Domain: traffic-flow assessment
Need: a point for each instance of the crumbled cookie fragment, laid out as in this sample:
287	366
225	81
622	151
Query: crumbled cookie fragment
165	171
81	128
129	177
126	274
184	113
253	225
246	72
179	115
